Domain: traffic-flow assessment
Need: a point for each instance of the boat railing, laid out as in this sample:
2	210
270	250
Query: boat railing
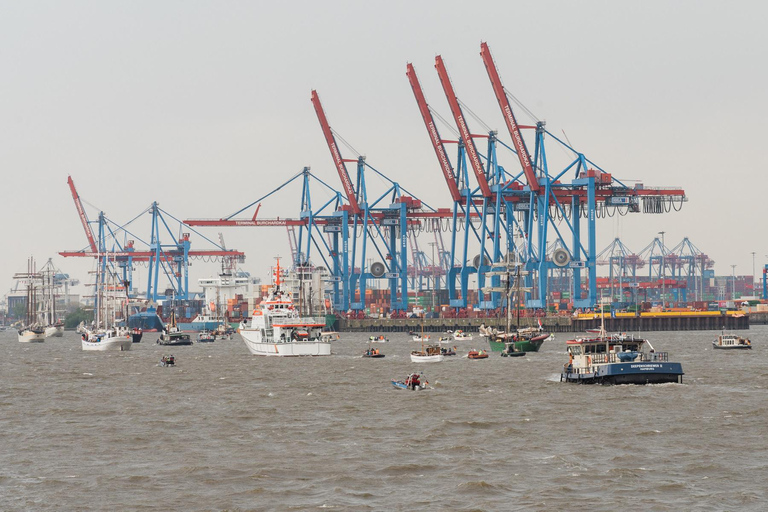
304	320
643	357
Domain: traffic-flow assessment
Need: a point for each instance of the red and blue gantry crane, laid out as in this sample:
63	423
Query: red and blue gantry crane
523	213
114	245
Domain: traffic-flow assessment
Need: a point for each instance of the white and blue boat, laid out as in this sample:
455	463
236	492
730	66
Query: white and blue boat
617	358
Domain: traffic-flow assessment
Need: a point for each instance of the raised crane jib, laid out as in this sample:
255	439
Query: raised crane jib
461	124
434	135
509	118
346	182
81	213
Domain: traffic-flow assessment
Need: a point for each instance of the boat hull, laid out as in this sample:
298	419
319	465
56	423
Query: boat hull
54	331
402	385
283	349
731	347
175	342
626	373
27	336
105	343
531	345
436	358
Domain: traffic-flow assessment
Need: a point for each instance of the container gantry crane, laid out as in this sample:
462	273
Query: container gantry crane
380	224
622	268
331	219
170	258
525	213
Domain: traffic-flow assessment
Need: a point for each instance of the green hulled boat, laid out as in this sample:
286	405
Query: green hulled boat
528	339
522	343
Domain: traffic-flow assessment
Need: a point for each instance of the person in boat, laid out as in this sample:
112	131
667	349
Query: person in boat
413	381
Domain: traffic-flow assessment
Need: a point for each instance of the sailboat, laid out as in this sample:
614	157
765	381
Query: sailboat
519	341
104	334
32	332
54	326
430	354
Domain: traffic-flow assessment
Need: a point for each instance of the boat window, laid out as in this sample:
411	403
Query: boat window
576	351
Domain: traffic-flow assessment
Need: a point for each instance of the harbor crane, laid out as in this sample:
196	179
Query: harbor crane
117	244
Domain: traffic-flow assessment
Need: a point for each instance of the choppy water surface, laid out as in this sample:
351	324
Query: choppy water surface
227	430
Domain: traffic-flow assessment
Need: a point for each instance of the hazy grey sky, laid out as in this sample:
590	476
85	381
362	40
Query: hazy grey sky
205	106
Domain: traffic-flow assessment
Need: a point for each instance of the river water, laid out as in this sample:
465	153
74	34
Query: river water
224	430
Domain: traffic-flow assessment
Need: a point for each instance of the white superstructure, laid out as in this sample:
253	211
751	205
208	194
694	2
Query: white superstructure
277	329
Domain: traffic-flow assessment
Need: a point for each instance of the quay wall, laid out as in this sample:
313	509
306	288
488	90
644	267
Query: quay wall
556	323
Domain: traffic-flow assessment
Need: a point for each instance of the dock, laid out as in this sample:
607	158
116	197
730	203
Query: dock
619	322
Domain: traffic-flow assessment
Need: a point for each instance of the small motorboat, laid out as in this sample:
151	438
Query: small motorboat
413	382
448	351
511	351
206	336
378	339
168	361
373	352
460	335
477	354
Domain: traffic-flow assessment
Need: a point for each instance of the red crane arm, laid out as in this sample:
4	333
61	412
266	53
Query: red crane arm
145	255
335	154
509	118
81	213
434	136
245	222
458	116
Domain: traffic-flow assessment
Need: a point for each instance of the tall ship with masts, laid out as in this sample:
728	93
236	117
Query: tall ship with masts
105	334
277	329
32	331
526	339
54	326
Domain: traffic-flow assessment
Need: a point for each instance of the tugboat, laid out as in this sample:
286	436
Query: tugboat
617	359
172	335
731	342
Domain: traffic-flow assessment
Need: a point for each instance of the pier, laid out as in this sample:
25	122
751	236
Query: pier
703	321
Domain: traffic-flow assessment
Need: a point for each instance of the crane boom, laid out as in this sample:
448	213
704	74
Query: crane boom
335	154
81	213
509	118
458	116
434	136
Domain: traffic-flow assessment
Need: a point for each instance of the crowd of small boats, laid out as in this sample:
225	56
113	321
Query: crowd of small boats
277	329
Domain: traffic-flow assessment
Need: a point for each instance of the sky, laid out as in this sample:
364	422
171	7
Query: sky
205	106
